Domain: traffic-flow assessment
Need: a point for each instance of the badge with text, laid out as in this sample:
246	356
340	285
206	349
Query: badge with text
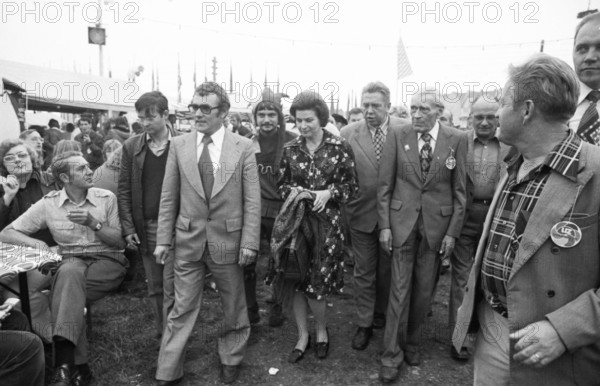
565	234
451	161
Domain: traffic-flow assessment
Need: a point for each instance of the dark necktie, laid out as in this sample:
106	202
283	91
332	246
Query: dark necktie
378	140
589	125
205	166
425	155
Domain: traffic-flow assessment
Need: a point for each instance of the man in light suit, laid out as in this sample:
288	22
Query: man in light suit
421	206
485	155
211	199
534	285
371	262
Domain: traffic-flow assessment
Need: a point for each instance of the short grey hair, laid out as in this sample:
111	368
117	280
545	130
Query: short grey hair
549	82
379	87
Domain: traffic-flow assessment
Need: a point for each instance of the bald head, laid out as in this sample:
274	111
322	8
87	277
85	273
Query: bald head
483	117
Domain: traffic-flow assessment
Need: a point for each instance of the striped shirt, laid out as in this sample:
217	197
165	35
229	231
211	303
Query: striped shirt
515	205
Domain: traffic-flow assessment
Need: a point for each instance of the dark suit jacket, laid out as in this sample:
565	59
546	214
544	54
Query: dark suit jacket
231	222
547	282
402	195
130	192
362	211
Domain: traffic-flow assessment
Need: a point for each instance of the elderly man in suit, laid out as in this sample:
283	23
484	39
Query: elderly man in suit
421	207
586	60
534	285
210	209
140	183
371	262
485	155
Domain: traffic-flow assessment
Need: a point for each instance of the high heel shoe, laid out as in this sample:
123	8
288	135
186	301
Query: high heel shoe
298	354
322	348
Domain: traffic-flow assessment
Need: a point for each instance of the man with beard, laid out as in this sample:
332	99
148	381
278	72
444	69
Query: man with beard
268	144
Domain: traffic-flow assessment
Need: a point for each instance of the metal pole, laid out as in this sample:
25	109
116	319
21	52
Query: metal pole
100	52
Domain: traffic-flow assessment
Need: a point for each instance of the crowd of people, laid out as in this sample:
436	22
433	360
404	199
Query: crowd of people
511	205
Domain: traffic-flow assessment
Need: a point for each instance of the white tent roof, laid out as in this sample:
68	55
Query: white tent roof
57	90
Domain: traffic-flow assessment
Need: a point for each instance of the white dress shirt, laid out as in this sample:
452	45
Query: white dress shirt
582	105
434	134
214	148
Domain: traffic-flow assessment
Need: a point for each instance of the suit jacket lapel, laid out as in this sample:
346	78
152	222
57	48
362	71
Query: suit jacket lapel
411	148
365	141
189	163
440	153
555	202
471	156
230	157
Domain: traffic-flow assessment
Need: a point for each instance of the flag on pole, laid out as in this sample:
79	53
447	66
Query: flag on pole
178	79
195	84
404	68
152	77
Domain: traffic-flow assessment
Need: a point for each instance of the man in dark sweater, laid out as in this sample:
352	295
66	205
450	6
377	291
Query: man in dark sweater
140	183
268	141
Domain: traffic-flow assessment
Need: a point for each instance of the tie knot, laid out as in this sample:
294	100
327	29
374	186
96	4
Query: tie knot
426	137
206	139
593	96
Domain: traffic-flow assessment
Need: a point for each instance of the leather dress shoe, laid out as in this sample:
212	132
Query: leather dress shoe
361	338
81	378
378	320
229	373
62	376
322	348
298	354
463	355
168	383
388	374
412	358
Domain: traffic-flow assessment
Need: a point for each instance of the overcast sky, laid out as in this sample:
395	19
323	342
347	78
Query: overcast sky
337	49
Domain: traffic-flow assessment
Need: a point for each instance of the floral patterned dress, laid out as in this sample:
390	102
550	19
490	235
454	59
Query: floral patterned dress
330	167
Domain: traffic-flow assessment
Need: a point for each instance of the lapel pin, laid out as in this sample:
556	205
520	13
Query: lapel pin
406	147
451	161
567	234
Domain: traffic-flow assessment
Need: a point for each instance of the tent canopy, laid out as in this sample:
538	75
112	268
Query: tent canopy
48	89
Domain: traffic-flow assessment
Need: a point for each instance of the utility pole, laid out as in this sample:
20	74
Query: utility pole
542	46
214	69
100	51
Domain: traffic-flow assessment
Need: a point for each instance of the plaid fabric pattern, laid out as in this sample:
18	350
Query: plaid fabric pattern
589	126
378	141
515	205
425	155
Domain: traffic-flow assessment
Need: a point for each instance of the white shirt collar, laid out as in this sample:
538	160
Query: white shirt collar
433	132
584	90
217	138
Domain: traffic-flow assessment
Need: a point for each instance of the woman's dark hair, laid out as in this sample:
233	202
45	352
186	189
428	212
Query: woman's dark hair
311	100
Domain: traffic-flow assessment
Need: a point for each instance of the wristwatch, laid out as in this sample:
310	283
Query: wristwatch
98	227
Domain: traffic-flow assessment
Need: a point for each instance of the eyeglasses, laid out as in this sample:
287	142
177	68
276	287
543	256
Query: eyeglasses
13	157
205	109
487	117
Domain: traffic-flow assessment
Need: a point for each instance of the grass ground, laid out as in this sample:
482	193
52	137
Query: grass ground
124	352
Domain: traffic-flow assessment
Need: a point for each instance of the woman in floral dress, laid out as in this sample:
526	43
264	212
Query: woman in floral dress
323	164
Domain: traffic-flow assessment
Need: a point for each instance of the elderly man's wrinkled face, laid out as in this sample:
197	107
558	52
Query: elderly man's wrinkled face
586	54
424	113
484	119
